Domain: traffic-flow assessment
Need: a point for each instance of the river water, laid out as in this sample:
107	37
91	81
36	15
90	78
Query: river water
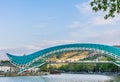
63	78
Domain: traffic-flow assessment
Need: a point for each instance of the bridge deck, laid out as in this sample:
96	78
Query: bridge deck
81	62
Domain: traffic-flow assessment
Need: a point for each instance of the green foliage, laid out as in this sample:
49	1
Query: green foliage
110	6
5	62
82	67
45	68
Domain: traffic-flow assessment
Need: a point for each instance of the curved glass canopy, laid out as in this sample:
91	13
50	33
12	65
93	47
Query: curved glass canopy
27	59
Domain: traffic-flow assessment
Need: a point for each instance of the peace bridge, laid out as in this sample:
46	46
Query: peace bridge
40	58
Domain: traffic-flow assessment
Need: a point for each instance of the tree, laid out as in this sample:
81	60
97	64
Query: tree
110	6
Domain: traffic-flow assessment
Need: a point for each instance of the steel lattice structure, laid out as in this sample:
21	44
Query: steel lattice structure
28	61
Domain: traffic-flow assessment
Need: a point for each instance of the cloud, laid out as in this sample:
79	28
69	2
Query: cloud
105	36
84	7
94	21
48	43
99	20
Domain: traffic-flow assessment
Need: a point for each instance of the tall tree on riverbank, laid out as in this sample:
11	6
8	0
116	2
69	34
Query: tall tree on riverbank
110	6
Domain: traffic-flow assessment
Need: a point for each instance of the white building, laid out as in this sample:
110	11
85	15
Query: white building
7	68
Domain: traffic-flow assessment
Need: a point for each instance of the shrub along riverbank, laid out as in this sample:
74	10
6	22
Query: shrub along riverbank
82	67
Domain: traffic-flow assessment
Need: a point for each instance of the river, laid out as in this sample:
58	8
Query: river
63	78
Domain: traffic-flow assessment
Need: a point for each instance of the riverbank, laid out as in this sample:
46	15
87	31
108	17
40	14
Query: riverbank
47	73
23	74
99	73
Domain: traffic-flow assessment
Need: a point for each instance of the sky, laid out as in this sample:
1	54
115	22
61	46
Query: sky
27	26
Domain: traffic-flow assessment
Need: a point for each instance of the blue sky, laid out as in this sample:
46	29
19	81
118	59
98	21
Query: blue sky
30	25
